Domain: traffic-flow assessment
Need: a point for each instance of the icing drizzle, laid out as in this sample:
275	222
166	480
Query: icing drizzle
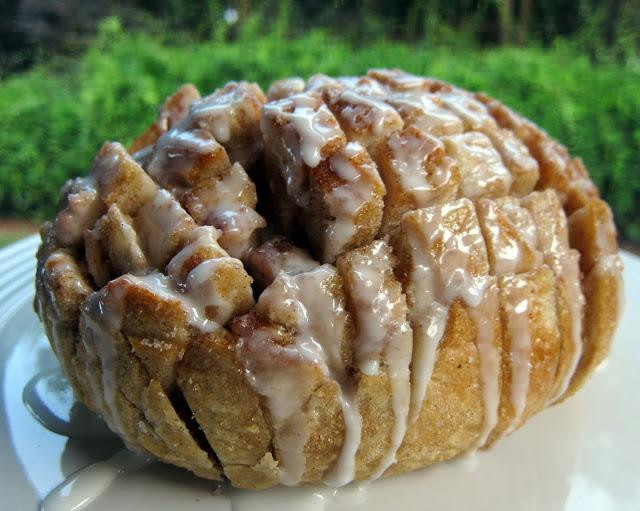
443	271
516	292
280	373
312	120
382	328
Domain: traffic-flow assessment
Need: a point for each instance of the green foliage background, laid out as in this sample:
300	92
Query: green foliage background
56	115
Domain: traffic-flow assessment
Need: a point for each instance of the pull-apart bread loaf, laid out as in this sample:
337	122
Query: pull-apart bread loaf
343	279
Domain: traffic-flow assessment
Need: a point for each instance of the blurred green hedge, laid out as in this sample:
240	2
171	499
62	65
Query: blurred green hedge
56	116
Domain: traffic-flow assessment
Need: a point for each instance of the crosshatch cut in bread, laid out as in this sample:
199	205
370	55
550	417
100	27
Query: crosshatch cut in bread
338	280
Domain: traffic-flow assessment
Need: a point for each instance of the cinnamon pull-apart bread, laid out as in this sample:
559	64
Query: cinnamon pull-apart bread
339	280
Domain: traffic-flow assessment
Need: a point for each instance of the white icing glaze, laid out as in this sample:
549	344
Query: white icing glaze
350	82
423	179
233	185
103	317
566	266
481	167
60	269
611	265
522	220
438	278
509	247
397	80
229	116
426	112
319	82
516	306
237	225
473	113
484	315
373	309
346	200
227	204
278	373
217	111
206	306
313	122
278	255
107	163
224	193
60	263
158	219
83	208
144	156
377	311
513	151
362	111
50	400
398	362
166	288
281	89
203	291
344	469
409	155
181	139
364	85
82	488
103	314
176	107
202	238
175	151
382	327
564	262
293	264
428	331
220	111
281	373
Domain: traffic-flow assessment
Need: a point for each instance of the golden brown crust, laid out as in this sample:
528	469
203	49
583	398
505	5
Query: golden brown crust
453	398
543	346
228	410
438	173
461	302
174	109
603	289
593	233
59	295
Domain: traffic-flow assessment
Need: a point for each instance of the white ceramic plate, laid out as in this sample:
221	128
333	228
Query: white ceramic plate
581	455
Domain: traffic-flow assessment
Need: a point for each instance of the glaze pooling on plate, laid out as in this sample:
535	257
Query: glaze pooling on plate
365	275
81	489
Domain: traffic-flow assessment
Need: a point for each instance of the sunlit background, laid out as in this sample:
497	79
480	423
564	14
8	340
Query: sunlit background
77	72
